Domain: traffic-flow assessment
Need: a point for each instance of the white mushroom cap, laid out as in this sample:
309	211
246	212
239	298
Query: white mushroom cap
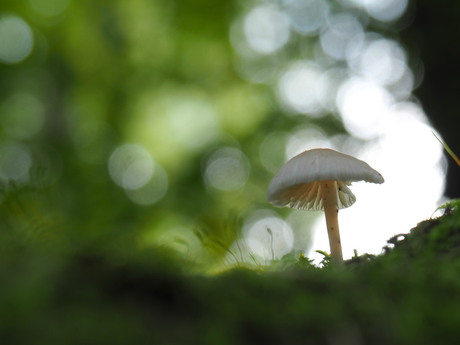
296	184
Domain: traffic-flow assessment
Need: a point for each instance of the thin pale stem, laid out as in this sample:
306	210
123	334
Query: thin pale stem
329	195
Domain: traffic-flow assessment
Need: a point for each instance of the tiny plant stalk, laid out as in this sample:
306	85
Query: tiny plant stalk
329	195
448	149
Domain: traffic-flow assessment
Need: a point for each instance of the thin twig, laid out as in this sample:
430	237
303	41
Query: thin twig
448	149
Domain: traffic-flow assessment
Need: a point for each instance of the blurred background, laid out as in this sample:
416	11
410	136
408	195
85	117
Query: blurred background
151	123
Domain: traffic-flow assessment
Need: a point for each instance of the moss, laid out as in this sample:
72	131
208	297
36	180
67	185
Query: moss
408	295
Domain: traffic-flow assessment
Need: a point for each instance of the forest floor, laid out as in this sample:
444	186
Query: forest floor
410	294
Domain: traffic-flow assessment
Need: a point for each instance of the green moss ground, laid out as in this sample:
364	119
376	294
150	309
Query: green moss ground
408	295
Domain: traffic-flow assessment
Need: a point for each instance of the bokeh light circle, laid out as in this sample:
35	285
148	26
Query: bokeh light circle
16	39
227	169
266	29
153	191
267	235
383	61
342	32
306	16
363	105
50	7
300	88
15	162
385	10
131	166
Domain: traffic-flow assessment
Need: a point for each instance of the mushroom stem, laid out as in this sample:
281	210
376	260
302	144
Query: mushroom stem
329	195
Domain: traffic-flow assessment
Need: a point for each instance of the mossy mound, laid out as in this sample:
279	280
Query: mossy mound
408	295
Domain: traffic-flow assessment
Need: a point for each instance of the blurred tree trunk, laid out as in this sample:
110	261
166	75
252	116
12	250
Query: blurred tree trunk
434	34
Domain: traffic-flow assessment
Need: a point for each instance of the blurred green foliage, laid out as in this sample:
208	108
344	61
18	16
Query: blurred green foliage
104	73
159	75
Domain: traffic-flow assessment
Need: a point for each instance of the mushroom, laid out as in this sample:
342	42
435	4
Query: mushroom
317	180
